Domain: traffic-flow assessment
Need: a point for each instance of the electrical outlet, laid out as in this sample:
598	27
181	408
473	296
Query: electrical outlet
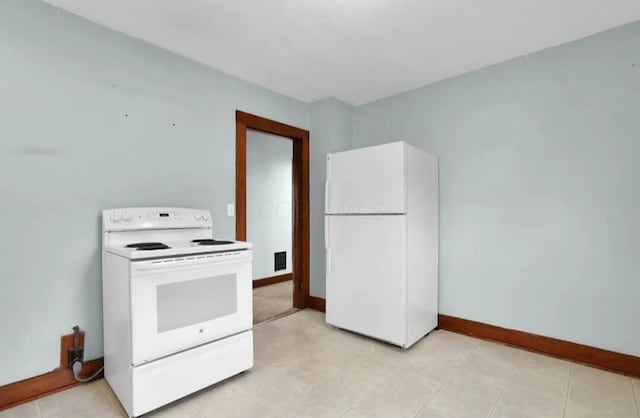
75	354
69	348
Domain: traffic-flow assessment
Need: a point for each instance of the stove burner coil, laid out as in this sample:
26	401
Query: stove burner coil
147	246
210	242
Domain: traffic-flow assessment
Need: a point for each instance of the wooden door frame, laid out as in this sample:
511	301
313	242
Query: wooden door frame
300	170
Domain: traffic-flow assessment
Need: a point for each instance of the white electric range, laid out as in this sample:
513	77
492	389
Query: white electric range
177	305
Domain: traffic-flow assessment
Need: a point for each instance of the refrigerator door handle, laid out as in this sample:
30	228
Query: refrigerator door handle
326	232
326	244
326	195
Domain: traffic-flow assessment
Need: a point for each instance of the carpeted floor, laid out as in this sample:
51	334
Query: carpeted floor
272	301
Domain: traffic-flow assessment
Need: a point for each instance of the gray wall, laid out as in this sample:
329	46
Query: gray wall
269	190
69	150
331	125
539	187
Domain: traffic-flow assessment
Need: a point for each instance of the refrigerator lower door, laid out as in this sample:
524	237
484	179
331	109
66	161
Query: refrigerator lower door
366	275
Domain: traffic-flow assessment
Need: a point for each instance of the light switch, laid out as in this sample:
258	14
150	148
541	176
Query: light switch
231	209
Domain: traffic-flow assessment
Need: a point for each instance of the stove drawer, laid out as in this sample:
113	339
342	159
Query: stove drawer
177	304
163	381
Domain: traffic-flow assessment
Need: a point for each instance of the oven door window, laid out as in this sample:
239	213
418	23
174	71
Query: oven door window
196	301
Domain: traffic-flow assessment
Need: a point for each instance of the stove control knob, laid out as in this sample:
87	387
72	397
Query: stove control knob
197	216
115	217
126	217
205	217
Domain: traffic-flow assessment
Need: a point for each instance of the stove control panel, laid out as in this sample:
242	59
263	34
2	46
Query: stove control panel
127	219
167	216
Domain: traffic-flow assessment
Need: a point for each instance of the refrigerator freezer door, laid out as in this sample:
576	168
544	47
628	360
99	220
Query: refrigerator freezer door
366	181
366	275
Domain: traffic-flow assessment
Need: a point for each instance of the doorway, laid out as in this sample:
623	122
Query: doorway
270	223
287	275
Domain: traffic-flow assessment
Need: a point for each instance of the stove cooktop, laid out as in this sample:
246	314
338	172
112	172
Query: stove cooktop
140	250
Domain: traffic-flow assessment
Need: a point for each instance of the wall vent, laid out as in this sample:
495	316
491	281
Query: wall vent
280	261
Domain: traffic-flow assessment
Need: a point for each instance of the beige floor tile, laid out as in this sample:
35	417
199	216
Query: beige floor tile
428	412
452	401
539	385
593	392
240	408
352	413
276	361
636	389
500	352
352	385
338	357
443	344
374	367
440	370
280	363
483	374
182	409
230	400
281	389
386	359
412	383
489	365
545	364
573	413
273	388
403	394
91	399
599	406
439	358
28	410
584	375
503	411
522	402
542	374
288	347
311	370
476	383
383	403
315	403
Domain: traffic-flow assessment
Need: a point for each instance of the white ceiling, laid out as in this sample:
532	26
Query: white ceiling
354	50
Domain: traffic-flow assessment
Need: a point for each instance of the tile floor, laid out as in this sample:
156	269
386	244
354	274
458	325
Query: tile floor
304	368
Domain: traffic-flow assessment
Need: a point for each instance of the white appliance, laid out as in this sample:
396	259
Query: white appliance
177	305
381	240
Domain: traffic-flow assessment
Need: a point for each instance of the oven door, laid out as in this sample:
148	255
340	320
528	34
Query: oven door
179	303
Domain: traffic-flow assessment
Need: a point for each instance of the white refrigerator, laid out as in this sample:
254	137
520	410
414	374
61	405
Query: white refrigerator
381	241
